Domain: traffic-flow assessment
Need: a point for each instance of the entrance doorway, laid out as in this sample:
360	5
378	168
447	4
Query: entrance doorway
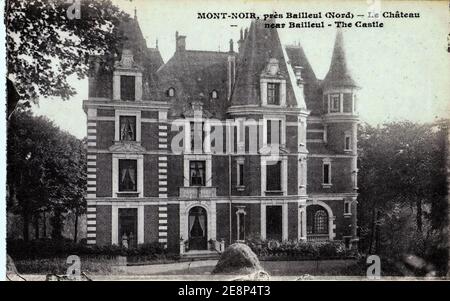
274	219
198	229
128	227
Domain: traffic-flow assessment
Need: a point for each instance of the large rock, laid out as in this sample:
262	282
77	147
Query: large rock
237	259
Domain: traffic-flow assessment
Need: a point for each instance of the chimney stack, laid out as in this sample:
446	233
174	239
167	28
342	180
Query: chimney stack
231	45
241	41
180	42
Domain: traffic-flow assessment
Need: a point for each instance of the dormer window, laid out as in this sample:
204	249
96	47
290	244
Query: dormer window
170	92
127	88
273	94
214	94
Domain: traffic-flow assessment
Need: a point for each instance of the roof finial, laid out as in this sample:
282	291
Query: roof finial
135	13
156	44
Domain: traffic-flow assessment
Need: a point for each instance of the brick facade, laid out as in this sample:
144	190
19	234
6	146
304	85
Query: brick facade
145	172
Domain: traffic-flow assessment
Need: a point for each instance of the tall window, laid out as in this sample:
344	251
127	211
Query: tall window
321	222
214	94
197	136
197	173
127	175
240	219
273	93
317	220
127	88
273	132
335	103
347	208
326	173
347	142
240	174
273	176
127	128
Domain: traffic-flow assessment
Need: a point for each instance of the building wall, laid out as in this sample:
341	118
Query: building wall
150	223
104	222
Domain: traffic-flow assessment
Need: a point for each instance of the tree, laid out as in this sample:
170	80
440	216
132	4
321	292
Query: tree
45	171
402	187
45	45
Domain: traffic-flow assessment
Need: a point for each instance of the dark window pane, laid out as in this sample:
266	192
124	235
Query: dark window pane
197	173
273	176
127	88
274	228
273	93
316	220
326	173
347	142
127	128
127	175
128	227
241	174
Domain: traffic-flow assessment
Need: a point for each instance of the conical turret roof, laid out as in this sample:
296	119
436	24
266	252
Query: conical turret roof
339	74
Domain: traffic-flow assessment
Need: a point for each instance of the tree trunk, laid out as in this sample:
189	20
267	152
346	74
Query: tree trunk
26	224
419	215
57	224
36	226
44	228
75	235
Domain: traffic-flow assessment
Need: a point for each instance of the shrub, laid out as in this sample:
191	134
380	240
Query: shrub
46	248
299	250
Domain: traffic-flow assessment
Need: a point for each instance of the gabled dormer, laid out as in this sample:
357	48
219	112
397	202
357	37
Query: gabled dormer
127	78
273	85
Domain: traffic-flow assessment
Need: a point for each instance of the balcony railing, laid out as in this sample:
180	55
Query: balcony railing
317	237
197	192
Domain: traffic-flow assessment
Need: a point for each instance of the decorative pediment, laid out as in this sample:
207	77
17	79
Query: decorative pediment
272	69
126	61
127	147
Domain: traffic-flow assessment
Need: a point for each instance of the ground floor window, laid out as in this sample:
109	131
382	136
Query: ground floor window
128	227
240	220
317	220
274	220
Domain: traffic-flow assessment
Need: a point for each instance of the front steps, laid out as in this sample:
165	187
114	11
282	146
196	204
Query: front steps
200	255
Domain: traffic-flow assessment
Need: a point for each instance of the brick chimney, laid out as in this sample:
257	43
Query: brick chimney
180	42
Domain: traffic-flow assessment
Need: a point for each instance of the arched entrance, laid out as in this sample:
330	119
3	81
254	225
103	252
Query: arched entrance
197	223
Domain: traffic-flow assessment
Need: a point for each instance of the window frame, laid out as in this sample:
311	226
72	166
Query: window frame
327	183
204	180
171	92
335	99
125	117
275	87
240	174
122	81
120	113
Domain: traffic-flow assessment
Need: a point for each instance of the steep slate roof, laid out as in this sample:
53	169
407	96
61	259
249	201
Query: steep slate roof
260	45
312	88
149	58
339	75
194	75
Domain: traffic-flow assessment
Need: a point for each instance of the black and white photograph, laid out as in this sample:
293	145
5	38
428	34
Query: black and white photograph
226	141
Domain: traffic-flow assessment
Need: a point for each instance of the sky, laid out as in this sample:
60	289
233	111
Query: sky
402	68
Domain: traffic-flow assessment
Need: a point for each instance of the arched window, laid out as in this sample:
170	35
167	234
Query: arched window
321	222
171	92
316	220
214	94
